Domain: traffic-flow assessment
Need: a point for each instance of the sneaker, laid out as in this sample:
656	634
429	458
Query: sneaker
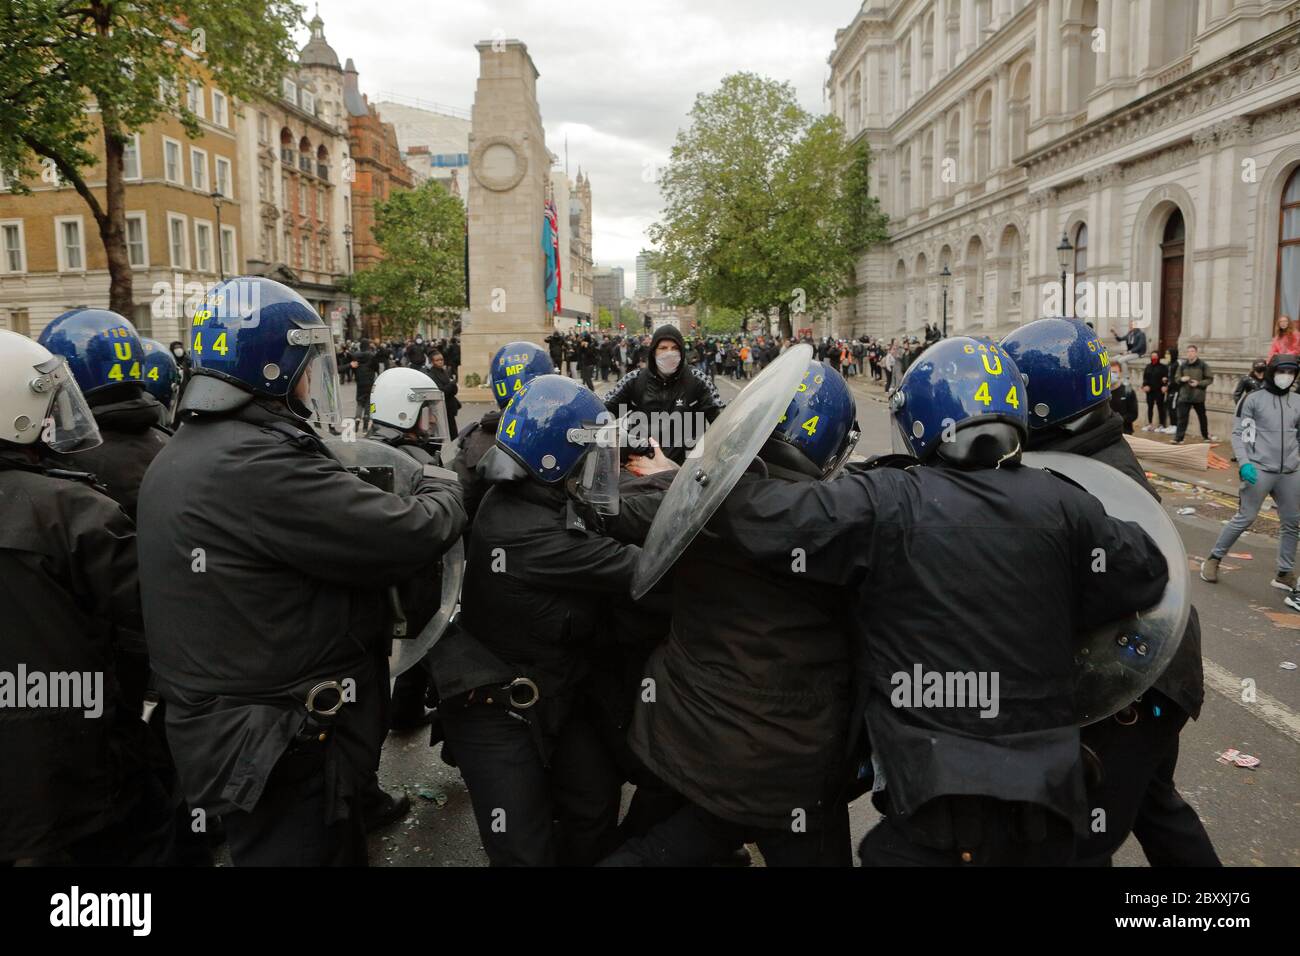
1177	441
1210	570
1285	581
1292	601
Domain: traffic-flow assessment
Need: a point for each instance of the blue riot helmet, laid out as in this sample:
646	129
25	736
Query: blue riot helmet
162	376
514	365
253	336
820	421
102	348
1067	373
555	430
963	399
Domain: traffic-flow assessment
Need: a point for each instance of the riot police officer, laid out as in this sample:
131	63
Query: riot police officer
162	378
514	365
77	785
993	777
264	565
750	713
108	358
1066	371
408	412
511	678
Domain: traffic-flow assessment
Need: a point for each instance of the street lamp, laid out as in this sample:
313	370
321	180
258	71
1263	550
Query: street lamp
944	277
1063	253
217	200
347	244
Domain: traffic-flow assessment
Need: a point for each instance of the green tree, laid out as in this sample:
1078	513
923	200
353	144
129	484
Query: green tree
74	71
630	319
763	204
422	274
605	318
720	320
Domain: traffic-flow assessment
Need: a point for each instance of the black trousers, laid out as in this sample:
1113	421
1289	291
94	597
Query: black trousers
1156	402
288	825
1137	790
970	831
1184	413
694	837
528	814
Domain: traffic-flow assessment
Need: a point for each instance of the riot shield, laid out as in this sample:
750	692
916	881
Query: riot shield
1119	661
716	463
391	469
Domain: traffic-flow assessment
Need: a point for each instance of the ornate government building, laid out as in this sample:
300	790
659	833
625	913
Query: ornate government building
1145	142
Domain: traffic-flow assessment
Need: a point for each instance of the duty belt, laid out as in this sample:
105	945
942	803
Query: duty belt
505	695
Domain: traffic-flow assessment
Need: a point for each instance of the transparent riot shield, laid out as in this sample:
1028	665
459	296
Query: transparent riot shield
1119	661
716	463
392	470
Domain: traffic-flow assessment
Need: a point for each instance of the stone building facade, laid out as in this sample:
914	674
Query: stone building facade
379	170
1147	142
295	173
52	258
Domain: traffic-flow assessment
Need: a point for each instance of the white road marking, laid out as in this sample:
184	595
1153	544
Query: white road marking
1266	707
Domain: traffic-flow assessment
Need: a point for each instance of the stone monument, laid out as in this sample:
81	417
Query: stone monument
509	169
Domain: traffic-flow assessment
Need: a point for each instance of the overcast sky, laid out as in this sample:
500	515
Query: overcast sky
617	77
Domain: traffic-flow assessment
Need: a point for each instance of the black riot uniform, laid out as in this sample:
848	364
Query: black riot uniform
128	418
475	442
535	603
749	719
1138	748
926	552
76	785
264	566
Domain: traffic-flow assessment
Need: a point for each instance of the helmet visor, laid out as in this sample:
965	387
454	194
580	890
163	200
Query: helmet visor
432	420
850	442
598	472
315	392
69	425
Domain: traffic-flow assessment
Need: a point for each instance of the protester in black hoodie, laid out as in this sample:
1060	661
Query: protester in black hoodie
667	385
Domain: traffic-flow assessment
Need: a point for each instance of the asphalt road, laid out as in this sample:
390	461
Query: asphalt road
1253	816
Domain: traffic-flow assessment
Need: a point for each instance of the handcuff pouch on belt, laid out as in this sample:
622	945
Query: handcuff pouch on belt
321	714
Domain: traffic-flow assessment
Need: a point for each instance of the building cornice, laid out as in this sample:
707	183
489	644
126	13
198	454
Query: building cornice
1267	61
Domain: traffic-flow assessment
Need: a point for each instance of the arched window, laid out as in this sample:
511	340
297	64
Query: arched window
983	138
1288	249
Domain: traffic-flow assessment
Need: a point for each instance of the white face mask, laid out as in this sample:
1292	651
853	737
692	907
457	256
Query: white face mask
179	353
1283	380
668	362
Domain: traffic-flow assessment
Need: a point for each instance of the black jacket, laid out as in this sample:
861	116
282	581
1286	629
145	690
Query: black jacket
1248	384
928	554
752	688
535	597
475	442
687	391
367	371
132	439
1183	681
1155	376
1135	341
68	583
295	556
447	385
1123	401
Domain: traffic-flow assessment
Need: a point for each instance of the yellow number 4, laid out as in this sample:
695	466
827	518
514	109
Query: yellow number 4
1013	398
982	394
510	428
810	426
220	344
